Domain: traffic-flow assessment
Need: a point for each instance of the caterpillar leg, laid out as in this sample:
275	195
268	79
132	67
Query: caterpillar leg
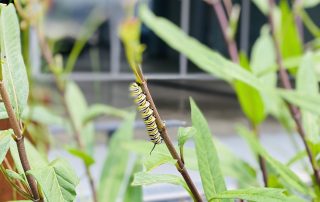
154	146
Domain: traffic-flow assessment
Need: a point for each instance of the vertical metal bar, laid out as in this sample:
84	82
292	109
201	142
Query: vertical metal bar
115	44
245	26
184	23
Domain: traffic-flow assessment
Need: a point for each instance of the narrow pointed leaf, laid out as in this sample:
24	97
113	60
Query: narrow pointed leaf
208	161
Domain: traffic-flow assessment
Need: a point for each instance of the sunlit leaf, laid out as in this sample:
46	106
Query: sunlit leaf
134	193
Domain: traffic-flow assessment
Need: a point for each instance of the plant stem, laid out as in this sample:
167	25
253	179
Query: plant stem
262	161
223	22
294	111
164	134
15	125
297	7
48	56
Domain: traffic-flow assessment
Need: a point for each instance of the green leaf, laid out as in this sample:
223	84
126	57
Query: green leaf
205	58
257	194
58	181
144	178
184	134
307	83
36	159
156	159
310	3
233	166
288	176
96	17
86	158
78	107
15	176
251	102
116	162
134	193
208	161
5	139
41	114
298	156
97	110
302	100
13	68
290	42
262	5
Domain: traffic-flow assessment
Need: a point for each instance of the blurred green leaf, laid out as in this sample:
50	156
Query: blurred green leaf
13	68
115	165
134	193
58	181
156	159
302	100
310	3
41	114
94	20
77	106
298	156
258	194
205	58
233	166
249	98
290	42
86	158
184	134
5	139
15	176
284	172
97	110
308	83
262	5
208	161
144	178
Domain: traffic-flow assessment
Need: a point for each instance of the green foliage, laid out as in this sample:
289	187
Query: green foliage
78	107
144	178
134	193
58	181
290	43
208	161
13	73
258	194
86	158
97	110
249	98
92	23
41	114
5	139
288	176
308	83
184	134
116	162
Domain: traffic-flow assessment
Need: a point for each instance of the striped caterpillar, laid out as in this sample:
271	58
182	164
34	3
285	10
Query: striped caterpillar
146	113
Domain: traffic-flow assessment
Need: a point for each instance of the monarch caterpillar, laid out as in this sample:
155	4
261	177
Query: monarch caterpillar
146	113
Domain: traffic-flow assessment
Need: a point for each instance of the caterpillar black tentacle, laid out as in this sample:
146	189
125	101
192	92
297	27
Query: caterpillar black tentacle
146	114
